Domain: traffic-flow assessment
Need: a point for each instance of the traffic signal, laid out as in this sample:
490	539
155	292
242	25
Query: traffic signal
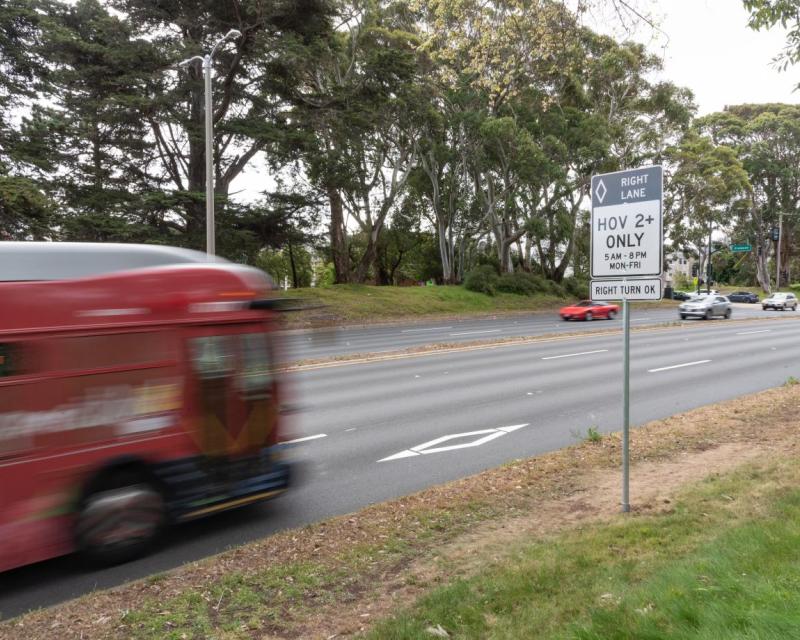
776	234
694	270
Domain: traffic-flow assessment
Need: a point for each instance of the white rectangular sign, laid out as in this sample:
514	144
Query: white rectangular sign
627	235
638	289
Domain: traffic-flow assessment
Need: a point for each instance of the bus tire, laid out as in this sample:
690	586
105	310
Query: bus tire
120	517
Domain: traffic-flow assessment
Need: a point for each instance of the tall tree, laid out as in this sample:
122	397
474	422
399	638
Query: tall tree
358	106
766	138
253	78
25	210
88	141
707	185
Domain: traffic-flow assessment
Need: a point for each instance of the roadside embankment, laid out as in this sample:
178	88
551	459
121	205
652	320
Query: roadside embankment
535	548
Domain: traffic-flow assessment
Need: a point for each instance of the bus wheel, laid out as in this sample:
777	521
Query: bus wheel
119	518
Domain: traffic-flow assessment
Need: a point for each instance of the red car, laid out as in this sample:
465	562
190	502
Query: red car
589	310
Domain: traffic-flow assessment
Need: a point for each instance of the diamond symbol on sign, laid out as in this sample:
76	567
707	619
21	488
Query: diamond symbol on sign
601	190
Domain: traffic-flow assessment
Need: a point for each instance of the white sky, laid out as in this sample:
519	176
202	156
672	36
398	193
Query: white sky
712	51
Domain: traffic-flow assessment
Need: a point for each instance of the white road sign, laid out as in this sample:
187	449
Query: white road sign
627	234
636	289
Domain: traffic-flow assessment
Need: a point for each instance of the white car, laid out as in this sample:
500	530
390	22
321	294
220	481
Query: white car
782	301
705	306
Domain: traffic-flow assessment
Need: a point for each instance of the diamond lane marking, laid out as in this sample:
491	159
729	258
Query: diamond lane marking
430	447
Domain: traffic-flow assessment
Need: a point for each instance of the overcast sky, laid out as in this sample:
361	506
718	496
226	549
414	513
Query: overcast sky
710	49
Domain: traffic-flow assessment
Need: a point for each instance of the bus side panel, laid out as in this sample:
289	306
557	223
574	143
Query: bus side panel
76	423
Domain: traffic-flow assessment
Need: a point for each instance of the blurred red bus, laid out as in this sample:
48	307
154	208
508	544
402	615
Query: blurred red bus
135	393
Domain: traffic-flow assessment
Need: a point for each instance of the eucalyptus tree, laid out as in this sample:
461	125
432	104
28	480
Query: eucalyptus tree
707	185
766	138
356	126
766	14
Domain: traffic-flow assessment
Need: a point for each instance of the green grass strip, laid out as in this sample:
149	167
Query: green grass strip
724	564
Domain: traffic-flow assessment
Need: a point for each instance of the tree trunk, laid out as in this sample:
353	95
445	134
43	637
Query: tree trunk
445	251
294	267
341	261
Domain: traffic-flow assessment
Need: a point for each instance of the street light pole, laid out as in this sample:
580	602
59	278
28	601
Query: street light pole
207	59
211	248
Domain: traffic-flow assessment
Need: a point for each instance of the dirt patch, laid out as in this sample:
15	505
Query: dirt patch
387	555
595	499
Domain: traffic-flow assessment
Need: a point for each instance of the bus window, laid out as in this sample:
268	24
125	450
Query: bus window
120	349
11	361
255	378
213	356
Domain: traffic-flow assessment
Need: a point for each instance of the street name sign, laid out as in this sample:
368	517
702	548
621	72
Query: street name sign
638	289
627	223
741	247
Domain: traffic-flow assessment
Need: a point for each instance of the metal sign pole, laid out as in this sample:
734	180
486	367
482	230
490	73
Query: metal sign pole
627	260
626	404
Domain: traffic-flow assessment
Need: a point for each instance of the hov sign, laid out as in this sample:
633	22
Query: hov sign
627	234
639	289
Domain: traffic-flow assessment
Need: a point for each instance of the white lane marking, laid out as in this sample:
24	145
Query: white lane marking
351	429
467	333
427	329
745	333
571	355
487	435
640	319
306	439
678	366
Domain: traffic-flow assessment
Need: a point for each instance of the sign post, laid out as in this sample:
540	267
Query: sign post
626	263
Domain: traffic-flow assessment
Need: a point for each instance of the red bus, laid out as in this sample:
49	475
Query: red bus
135	390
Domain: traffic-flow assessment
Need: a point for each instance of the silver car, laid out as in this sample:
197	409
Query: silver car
782	301
705	306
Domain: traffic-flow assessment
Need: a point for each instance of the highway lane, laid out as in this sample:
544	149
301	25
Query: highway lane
370	422
321	343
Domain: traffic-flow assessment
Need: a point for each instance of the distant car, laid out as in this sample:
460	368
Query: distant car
589	310
681	295
705	306
782	301
743	296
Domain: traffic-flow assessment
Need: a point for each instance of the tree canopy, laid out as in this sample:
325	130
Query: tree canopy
390	133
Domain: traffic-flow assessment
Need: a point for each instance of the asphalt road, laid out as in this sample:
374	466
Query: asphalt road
387	428
323	343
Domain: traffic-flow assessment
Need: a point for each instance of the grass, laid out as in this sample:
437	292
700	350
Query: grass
593	435
363	303
722	564
356	304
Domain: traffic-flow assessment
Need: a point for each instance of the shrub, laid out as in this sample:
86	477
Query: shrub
523	284
482	279
576	288
556	289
